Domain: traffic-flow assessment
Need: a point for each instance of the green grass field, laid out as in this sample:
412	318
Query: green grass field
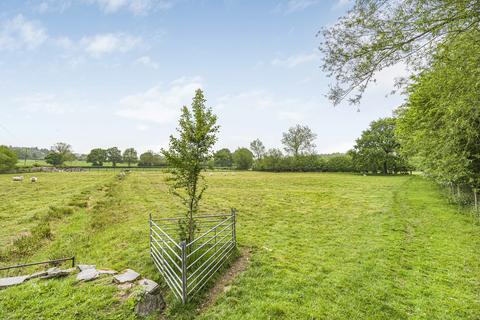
324	246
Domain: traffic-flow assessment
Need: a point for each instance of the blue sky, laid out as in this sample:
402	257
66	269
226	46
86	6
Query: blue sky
102	73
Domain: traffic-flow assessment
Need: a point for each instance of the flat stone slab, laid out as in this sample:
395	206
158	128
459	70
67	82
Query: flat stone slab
110	272
148	285
87	275
12	281
128	276
57	273
83	267
37	275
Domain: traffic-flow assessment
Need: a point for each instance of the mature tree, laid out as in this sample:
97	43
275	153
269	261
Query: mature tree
271	161
187	155
243	158
299	140
378	149
8	158
147	159
114	155
59	153
440	122
130	156
376	34
97	157
223	158
257	148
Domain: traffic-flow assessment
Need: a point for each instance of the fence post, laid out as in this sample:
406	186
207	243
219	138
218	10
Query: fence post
476	200
183	245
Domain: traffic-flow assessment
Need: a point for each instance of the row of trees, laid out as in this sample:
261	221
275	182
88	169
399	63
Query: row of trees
376	151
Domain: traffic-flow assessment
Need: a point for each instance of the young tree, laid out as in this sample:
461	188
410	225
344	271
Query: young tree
257	148
59	153
376	34
97	157
223	158
130	156
299	140
187	155
243	158
8	158
114	155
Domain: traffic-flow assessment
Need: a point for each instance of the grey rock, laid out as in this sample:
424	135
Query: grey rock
37	275
125	286
110	272
149	304
128	276
87	275
149	286
12	281
83	267
56	273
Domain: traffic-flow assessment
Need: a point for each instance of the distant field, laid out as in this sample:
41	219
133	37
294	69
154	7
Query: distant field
325	246
23	163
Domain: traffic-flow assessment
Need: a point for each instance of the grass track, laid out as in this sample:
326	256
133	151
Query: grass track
333	246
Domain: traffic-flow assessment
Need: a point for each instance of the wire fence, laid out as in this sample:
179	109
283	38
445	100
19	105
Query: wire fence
188	267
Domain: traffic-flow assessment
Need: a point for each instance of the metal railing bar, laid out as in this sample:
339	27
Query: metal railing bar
208	231
171	259
197	289
160	255
154	224
218	232
217	266
169	281
219	252
165	242
166	272
208	250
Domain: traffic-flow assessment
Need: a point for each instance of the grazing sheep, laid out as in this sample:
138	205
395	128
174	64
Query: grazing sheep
17	178
33	179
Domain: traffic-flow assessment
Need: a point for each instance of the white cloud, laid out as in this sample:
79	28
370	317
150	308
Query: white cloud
290	116
102	44
20	33
160	104
295	60
43	103
147	62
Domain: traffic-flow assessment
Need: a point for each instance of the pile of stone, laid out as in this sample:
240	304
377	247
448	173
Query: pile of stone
151	299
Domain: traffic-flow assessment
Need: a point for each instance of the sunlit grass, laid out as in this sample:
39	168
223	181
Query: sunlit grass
325	246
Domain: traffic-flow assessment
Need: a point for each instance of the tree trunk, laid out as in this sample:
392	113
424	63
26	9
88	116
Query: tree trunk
476	199
384	167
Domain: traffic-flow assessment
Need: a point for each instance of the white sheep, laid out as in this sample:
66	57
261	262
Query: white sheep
33	179
17	178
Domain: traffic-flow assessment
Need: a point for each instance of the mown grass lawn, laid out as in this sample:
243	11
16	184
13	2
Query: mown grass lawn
325	246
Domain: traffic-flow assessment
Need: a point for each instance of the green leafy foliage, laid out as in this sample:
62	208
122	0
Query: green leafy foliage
97	157
242	158
187	155
130	156
440	122
376	34
114	155
8	158
299	140
59	153
223	158
377	150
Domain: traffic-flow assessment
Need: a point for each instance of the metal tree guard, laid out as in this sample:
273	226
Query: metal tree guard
187	267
